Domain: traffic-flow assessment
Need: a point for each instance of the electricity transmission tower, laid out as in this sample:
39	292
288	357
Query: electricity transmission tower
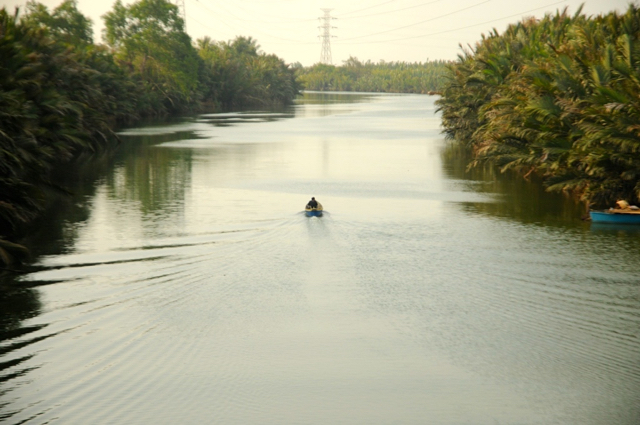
325	54
183	12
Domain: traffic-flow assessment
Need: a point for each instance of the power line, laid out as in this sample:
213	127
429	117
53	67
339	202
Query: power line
460	28
237	27
367	8
201	24
392	11
417	23
183	12
246	12
279	19
325	54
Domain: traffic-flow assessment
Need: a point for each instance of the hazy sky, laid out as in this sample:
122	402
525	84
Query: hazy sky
392	30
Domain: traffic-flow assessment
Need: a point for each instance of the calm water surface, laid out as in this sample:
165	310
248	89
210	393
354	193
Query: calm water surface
183	283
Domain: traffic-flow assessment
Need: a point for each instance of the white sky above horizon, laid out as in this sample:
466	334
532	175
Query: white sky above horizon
390	30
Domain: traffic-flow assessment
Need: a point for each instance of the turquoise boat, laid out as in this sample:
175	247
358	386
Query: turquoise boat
313	212
615	216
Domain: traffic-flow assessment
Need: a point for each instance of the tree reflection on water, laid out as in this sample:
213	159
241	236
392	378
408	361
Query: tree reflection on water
524	200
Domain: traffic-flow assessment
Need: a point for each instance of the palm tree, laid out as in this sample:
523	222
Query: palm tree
556	97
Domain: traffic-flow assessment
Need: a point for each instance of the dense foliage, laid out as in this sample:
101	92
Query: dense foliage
558	97
62	96
236	74
148	39
390	77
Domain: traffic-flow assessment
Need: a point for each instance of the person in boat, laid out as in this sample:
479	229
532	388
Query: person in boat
622	205
312	203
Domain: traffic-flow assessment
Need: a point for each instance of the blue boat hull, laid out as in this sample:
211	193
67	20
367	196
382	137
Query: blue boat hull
313	213
618	218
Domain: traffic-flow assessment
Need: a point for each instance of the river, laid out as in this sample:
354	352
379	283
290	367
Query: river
183	284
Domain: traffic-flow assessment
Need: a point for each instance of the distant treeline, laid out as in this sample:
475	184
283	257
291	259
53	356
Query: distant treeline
557	97
388	77
62	96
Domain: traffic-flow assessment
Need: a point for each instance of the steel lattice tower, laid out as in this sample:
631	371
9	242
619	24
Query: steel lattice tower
183	12
325	54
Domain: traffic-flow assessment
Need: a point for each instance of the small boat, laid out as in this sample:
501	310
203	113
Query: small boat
313	212
616	216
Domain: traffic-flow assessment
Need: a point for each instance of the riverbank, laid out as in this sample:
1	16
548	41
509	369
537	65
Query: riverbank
63	97
556	97
382	77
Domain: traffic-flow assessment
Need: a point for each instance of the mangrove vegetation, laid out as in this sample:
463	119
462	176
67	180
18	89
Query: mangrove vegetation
558	98
62	95
387	77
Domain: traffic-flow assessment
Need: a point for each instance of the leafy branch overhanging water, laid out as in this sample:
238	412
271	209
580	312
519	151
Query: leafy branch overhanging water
558	97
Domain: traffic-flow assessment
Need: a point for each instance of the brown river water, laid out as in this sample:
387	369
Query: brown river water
183	284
